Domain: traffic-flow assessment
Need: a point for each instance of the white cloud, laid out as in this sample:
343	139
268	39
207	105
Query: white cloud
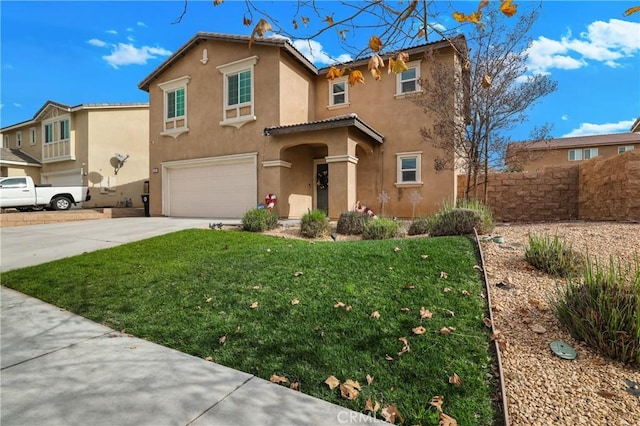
604	42
129	30
128	54
114	32
17	105
587	129
313	51
96	42
131	38
141	24
565	117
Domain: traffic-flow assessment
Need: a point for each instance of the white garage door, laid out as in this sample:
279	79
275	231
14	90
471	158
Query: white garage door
221	187
67	178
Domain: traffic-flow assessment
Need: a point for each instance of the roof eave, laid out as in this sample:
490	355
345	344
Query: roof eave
326	125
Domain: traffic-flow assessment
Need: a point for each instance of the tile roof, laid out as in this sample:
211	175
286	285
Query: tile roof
17	156
581	141
329	123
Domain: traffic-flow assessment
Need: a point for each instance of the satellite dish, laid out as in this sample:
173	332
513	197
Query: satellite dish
121	158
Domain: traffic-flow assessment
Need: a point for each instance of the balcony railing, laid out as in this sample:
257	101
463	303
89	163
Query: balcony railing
57	151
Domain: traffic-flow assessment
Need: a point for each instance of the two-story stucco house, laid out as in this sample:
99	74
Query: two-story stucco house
536	155
230	124
65	145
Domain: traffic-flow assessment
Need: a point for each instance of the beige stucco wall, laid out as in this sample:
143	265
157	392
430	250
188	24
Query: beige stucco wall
539	159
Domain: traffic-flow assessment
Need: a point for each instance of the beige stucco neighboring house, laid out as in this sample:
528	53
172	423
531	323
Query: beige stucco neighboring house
230	124
536	155
85	145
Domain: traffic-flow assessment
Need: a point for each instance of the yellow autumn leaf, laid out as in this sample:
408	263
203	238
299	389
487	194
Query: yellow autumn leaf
419	330
424	256
508	9
332	382
375	63
391	64
425	313
355	77
328	20
261	27
350	389
405	310
443	274
334	73
399	66
376	74
209	358
369	379
483	4
459	16
375	315
256	287
339	305
474	17
295	302
295	386
396	249
437	402
487	322
222	339
391	414
297	274
278	379
405	346
486	80
254	305
631	10
375	43
371	406
445	420
455	380
445	331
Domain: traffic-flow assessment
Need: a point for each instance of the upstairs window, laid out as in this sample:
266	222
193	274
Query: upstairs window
408	81
175	106
622	149
56	131
19	140
5	141
338	93
238	90
32	136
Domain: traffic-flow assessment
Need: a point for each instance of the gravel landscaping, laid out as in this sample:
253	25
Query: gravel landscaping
542	388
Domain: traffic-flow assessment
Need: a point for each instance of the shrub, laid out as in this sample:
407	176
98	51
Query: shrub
604	309
352	223
314	224
259	220
381	229
455	222
486	224
420	226
552	256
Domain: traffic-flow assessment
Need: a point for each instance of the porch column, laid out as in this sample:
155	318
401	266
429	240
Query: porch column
269	179
342	183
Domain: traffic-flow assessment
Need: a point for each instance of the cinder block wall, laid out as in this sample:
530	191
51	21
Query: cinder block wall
610	189
598	189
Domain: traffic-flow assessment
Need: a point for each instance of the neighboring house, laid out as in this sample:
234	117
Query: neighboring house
78	146
530	156
231	124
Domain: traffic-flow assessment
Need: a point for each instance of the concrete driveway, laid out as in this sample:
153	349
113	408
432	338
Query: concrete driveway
23	246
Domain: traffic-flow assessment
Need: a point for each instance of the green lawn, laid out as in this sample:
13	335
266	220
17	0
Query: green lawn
189	289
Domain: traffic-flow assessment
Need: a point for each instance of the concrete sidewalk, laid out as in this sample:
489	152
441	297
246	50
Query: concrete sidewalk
58	368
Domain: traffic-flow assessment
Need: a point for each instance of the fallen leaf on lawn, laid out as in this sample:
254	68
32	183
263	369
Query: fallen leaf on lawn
437	401
370	406
455	380
222	339
348	308
487	322
391	268
537	328
339	305
209	299
295	302
443	274
332	382
397	249
409	287
446	289
295	386
349	390
256	287
278	379
405	309
425	313
478	267
450	312
375	314
388	358
209	358
268	250
391	414
445	420
405	346
446	330
419	330
482	295
369	379
466	293
254	305
424	256
297	274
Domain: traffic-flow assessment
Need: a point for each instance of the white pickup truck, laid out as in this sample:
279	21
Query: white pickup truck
21	193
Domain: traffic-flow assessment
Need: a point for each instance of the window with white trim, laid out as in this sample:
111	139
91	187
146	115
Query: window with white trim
18	139
238	89
575	155
5	141
32	136
56	131
590	153
409	165
622	149
408	81
175	106
338	93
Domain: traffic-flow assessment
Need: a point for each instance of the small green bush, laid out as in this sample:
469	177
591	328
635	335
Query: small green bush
420	226
381	229
486	224
259	220
352	223
553	256
314	224
604	309
456	222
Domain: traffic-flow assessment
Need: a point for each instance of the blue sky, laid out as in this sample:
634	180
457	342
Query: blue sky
94	52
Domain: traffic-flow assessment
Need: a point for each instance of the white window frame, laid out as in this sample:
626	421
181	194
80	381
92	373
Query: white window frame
170	125
19	139
332	96
577	155
399	79
60	132
33	136
625	148
589	153
5	141
235	68
417	155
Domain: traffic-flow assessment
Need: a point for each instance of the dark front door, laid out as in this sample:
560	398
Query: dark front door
322	187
